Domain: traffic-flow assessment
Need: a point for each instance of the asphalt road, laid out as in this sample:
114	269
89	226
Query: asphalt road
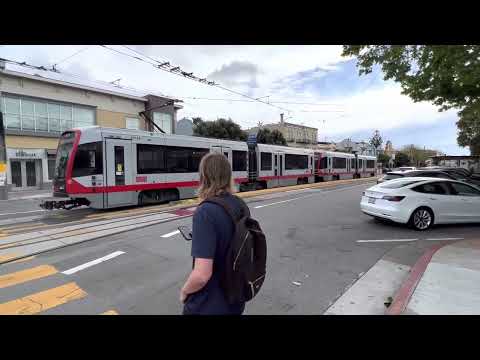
313	255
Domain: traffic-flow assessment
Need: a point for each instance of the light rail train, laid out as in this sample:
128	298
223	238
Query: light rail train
107	168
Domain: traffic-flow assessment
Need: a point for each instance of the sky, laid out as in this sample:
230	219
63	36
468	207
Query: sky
325	88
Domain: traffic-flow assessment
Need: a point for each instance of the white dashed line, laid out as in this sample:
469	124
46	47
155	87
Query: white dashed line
171	234
93	262
386	240
440	239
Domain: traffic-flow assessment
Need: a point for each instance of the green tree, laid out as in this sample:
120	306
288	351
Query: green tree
376	141
446	75
401	159
266	136
218	129
384	159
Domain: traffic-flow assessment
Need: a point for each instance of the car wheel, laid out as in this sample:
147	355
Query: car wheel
421	219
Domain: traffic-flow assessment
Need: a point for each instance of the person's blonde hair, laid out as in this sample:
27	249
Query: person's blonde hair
215	176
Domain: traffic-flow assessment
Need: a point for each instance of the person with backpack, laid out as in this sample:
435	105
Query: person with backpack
228	246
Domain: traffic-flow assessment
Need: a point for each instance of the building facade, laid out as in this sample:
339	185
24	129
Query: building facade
466	162
295	135
38	106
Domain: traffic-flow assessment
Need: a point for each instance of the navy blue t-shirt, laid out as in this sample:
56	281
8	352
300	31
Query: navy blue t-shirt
212	232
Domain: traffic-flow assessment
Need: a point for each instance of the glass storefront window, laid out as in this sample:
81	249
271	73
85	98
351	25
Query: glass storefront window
42	115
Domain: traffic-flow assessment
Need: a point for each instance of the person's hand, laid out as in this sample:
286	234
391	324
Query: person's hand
183	296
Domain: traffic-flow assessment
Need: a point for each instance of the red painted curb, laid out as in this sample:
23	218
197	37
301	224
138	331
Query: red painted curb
403	295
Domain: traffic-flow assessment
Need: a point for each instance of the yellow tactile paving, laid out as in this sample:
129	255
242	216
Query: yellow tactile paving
110	312
7	257
22	276
23	259
44	300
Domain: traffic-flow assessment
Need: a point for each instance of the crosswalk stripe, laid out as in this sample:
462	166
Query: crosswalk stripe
110	312
44	300
22	276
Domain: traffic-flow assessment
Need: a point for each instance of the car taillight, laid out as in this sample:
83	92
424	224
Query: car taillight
393	198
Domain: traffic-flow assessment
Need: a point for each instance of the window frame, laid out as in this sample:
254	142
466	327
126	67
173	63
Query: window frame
296	162
455	193
45	115
131	118
263	166
244	158
444	183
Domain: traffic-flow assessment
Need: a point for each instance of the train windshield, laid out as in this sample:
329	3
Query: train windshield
65	146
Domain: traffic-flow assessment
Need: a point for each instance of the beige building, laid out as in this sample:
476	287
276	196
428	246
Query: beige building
296	135
37	105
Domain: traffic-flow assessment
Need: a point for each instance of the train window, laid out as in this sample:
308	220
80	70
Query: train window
119	165
239	161
339	163
150	159
323	163
266	161
293	162
370	164
88	160
180	159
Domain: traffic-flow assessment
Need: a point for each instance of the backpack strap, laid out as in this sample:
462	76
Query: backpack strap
228	209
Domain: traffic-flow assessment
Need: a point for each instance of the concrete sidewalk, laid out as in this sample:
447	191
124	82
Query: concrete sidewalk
444	281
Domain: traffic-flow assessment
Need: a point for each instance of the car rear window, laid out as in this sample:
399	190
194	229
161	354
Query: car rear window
392	176
398	184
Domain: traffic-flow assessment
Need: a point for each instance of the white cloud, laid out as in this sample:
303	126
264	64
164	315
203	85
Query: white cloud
377	108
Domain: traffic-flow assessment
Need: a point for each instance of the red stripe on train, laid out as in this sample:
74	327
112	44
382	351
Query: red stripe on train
76	188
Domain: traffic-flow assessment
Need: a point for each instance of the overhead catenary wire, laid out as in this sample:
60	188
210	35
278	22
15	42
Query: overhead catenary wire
167	67
54	67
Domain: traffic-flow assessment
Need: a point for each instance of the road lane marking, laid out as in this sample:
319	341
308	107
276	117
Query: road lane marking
22	276
440	239
44	300
171	234
386	240
110	312
280	202
310	195
93	262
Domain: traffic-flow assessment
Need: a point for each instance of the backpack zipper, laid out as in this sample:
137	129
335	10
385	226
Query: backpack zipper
252	288
240	250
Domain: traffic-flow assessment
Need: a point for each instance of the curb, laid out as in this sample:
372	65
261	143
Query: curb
405	292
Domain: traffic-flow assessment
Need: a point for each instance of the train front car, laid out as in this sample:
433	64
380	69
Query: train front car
75	160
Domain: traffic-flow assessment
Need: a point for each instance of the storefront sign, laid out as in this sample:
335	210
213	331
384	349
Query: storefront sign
26	153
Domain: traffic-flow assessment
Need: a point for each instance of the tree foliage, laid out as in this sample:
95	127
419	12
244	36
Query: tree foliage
376	141
383	158
266	136
446	75
401	159
218	129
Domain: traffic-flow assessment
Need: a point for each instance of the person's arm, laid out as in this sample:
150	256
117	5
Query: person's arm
204	243
201	273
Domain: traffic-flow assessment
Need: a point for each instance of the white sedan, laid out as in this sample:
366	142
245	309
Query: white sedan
422	202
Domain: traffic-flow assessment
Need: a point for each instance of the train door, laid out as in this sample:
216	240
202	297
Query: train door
225	150
278	161
118	172
329	164
349	165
